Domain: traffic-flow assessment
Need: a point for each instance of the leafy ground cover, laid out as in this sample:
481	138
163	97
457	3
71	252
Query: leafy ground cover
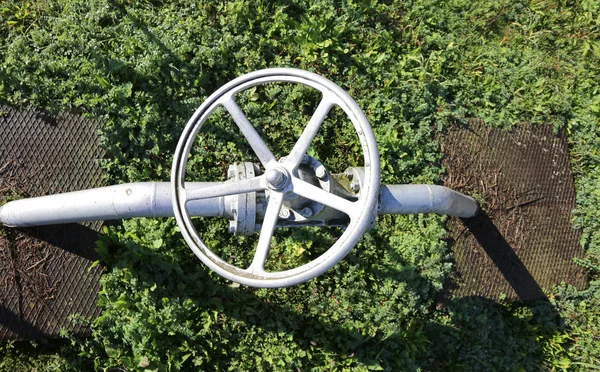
415	68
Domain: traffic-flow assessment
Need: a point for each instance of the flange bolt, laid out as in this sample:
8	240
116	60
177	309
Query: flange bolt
284	213
321	173
306	212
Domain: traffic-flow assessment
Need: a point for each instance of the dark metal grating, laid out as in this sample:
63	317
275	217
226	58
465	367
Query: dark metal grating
44	276
524	242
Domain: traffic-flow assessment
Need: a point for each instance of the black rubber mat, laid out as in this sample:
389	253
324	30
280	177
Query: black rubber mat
44	272
523	241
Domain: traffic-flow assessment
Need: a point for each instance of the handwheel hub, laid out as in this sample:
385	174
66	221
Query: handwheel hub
277	178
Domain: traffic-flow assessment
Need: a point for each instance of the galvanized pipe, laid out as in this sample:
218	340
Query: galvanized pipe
407	199
153	199
149	199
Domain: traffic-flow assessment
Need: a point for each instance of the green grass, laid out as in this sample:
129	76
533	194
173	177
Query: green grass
415	68
42	355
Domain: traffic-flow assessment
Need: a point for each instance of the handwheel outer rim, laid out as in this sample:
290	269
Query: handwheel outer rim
341	247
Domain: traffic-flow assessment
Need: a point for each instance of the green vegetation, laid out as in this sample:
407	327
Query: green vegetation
43	355
415	68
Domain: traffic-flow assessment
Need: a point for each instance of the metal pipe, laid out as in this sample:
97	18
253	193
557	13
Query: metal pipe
153	199
148	199
407	199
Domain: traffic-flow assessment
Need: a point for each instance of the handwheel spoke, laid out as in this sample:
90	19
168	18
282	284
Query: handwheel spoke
256	142
309	132
319	195
227	188
266	232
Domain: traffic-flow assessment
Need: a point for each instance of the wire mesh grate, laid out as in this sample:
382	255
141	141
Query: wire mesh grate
44	276
525	242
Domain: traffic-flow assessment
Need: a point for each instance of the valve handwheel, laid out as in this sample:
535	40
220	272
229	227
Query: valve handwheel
279	178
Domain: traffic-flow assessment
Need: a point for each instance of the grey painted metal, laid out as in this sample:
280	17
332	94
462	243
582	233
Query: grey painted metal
149	199
242	206
296	190
359	211
406	199
260	149
300	210
153	199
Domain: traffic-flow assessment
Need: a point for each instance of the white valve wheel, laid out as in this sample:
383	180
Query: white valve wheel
279	178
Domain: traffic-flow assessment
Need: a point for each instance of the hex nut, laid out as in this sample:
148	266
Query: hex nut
321	173
284	213
306	212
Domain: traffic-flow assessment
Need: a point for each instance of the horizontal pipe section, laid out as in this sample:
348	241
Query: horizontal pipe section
148	199
407	199
153	199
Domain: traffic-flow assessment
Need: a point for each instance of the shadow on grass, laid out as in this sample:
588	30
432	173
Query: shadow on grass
469	333
247	311
477	333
